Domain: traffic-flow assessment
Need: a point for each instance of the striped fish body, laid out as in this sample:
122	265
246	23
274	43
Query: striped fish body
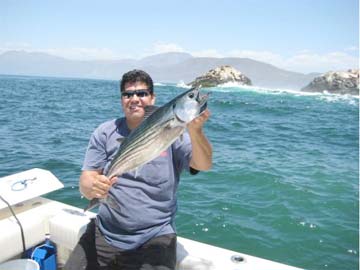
147	141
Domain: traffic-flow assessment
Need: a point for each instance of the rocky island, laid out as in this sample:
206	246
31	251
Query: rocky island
221	75
339	82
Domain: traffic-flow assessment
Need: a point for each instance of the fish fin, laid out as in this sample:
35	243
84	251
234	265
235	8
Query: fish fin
170	123
109	200
136	172
92	204
120	140
149	110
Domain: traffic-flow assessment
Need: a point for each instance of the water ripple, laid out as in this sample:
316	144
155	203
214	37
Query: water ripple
284	183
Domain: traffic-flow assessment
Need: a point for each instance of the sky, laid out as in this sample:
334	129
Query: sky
297	35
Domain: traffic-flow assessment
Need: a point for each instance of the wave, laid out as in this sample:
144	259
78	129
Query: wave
159	84
182	84
236	87
352	100
325	95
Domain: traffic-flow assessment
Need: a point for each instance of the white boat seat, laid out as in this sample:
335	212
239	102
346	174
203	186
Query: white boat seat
67	227
33	226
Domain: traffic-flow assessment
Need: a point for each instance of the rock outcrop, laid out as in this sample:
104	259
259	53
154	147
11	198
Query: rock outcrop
221	75
339	82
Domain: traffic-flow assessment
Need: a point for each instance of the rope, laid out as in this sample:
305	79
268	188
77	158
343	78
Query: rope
18	221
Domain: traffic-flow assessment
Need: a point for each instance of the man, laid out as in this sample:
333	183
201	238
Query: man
141	235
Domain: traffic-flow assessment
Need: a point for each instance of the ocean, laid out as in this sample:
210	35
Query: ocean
285	179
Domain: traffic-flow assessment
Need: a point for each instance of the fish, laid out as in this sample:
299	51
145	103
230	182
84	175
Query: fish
160	128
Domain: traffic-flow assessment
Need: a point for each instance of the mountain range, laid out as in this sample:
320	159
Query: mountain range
166	67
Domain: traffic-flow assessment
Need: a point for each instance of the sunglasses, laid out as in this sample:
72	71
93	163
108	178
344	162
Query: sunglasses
138	93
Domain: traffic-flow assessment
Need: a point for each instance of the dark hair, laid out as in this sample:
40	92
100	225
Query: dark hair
134	76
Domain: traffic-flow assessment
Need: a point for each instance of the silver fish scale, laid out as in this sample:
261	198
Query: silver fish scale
135	138
146	147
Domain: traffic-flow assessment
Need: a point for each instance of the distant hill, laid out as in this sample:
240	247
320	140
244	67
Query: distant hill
166	67
164	59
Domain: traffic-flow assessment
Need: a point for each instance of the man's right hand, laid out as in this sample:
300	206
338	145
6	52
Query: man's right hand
93	184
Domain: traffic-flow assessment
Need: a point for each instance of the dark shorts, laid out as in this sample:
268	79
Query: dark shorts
93	253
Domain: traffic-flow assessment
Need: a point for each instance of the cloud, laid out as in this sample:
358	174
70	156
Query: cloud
15	46
83	53
307	62
352	49
163	47
75	53
207	53
264	56
304	61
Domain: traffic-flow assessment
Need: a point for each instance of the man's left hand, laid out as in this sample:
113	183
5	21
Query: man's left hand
199	121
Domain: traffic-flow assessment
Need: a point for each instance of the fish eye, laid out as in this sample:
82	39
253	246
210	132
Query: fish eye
191	95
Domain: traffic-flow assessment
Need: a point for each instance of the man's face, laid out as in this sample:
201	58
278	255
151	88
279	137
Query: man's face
133	104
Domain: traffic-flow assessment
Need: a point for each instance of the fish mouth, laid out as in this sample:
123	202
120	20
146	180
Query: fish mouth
202	100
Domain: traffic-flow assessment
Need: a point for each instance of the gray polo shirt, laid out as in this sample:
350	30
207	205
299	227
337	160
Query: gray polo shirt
147	198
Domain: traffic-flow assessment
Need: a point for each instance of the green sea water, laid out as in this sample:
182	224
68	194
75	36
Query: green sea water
284	184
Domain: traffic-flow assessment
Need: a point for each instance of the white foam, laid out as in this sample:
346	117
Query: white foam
182	84
231	84
236	87
325	95
352	100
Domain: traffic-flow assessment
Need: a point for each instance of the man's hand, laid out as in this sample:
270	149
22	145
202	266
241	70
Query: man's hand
201	148
93	184
198	122
101	185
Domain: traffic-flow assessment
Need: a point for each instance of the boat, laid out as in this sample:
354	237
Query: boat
26	218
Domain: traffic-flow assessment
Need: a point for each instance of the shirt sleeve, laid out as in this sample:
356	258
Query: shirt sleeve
182	153
95	156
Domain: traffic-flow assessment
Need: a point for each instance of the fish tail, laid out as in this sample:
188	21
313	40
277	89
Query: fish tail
93	203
